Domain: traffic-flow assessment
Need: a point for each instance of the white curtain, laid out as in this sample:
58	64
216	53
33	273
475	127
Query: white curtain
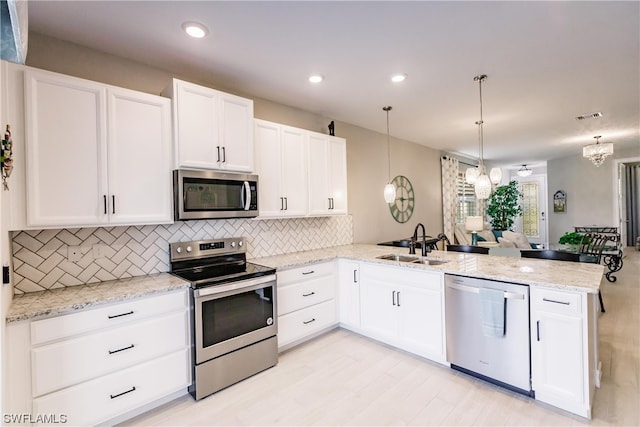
450	169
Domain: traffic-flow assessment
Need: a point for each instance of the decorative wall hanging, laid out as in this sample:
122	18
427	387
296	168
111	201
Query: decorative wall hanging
6	162
559	202
402	207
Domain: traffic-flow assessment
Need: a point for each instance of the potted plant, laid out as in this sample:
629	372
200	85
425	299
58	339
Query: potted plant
572	241
504	206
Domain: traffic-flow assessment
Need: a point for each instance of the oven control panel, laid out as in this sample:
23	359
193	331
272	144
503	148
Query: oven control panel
206	248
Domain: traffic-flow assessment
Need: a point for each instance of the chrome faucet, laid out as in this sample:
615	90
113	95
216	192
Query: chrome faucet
414	240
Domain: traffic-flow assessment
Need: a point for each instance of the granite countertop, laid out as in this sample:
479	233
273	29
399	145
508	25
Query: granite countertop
55	302
570	276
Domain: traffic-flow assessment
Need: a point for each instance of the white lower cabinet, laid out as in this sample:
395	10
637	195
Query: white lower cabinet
306	302
349	293
404	308
563	355
96	365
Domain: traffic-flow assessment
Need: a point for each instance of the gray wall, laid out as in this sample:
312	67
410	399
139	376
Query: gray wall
366	150
589	190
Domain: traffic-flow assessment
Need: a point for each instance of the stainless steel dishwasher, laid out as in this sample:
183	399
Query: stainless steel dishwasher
503	358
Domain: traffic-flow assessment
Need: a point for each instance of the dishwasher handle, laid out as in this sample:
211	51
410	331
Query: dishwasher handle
474	290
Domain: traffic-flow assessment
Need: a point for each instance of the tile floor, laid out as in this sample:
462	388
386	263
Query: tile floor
342	378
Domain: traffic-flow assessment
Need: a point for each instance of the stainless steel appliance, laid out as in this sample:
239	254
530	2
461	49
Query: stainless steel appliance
502	358
233	316
206	194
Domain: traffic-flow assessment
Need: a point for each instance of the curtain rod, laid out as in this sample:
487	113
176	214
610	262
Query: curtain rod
459	161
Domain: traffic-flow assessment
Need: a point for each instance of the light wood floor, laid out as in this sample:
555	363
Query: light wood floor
342	378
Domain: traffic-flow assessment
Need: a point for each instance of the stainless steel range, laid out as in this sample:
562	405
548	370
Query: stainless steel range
233	316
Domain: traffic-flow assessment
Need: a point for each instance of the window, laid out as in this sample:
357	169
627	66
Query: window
466	199
530	209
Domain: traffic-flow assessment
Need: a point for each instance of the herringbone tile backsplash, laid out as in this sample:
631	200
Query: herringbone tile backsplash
40	256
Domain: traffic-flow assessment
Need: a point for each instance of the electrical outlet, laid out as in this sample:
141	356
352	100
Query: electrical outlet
98	250
74	254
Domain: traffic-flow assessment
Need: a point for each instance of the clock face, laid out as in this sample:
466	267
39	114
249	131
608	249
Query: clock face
402	208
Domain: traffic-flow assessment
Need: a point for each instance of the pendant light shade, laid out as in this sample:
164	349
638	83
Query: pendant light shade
389	189
389	193
524	171
471	175
483	187
495	175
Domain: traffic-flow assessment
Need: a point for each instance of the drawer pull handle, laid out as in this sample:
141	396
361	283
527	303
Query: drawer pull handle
538	330
113	396
556	302
121	349
120	315
309	294
304	273
355	280
309	321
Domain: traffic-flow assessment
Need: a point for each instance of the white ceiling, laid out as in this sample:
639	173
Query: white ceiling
546	62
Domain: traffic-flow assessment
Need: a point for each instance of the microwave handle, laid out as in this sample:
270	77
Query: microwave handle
245	197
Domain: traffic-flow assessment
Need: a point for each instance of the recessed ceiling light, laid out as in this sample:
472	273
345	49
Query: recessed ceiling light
397	78
195	29
316	78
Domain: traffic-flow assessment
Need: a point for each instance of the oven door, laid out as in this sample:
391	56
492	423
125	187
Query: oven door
231	316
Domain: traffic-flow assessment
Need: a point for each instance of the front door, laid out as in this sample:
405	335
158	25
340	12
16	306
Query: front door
533	222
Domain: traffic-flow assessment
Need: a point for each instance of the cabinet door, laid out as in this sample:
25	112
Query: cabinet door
197	126
557	358
349	291
420	323
319	192
66	150
294	171
269	168
139	158
378	310
236	128
338	175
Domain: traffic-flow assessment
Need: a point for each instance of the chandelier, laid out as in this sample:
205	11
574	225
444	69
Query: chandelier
524	171
597	152
478	176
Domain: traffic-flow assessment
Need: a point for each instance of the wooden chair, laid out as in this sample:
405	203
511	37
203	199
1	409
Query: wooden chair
564	256
469	249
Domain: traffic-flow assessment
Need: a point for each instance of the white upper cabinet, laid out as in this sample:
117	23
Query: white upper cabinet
301	172
139	157
212	129
327	175
95	154
281	163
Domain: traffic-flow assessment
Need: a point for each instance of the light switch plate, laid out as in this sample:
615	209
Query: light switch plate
74	254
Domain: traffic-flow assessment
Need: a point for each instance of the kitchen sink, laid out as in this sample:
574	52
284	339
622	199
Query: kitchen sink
401	258
413	259
431	261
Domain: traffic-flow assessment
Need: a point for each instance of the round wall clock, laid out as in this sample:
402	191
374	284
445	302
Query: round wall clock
402	208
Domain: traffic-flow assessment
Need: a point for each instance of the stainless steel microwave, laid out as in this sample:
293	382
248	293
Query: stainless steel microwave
206	194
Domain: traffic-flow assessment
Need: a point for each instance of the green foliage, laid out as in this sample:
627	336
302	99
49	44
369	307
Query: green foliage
504	206
572	238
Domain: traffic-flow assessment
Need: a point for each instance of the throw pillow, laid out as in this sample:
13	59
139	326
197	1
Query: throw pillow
481	239
519	239
487	235
506	243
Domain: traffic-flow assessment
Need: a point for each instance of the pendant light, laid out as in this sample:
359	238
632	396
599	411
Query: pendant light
483	181
389	189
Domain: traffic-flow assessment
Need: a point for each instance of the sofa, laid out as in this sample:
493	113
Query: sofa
503	239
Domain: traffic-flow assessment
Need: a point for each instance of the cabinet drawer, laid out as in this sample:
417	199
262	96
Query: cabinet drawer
104	398
70	362
556	301
305	294
301	323
113	315
309	272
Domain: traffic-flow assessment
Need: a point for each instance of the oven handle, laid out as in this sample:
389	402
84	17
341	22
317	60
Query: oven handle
243	284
